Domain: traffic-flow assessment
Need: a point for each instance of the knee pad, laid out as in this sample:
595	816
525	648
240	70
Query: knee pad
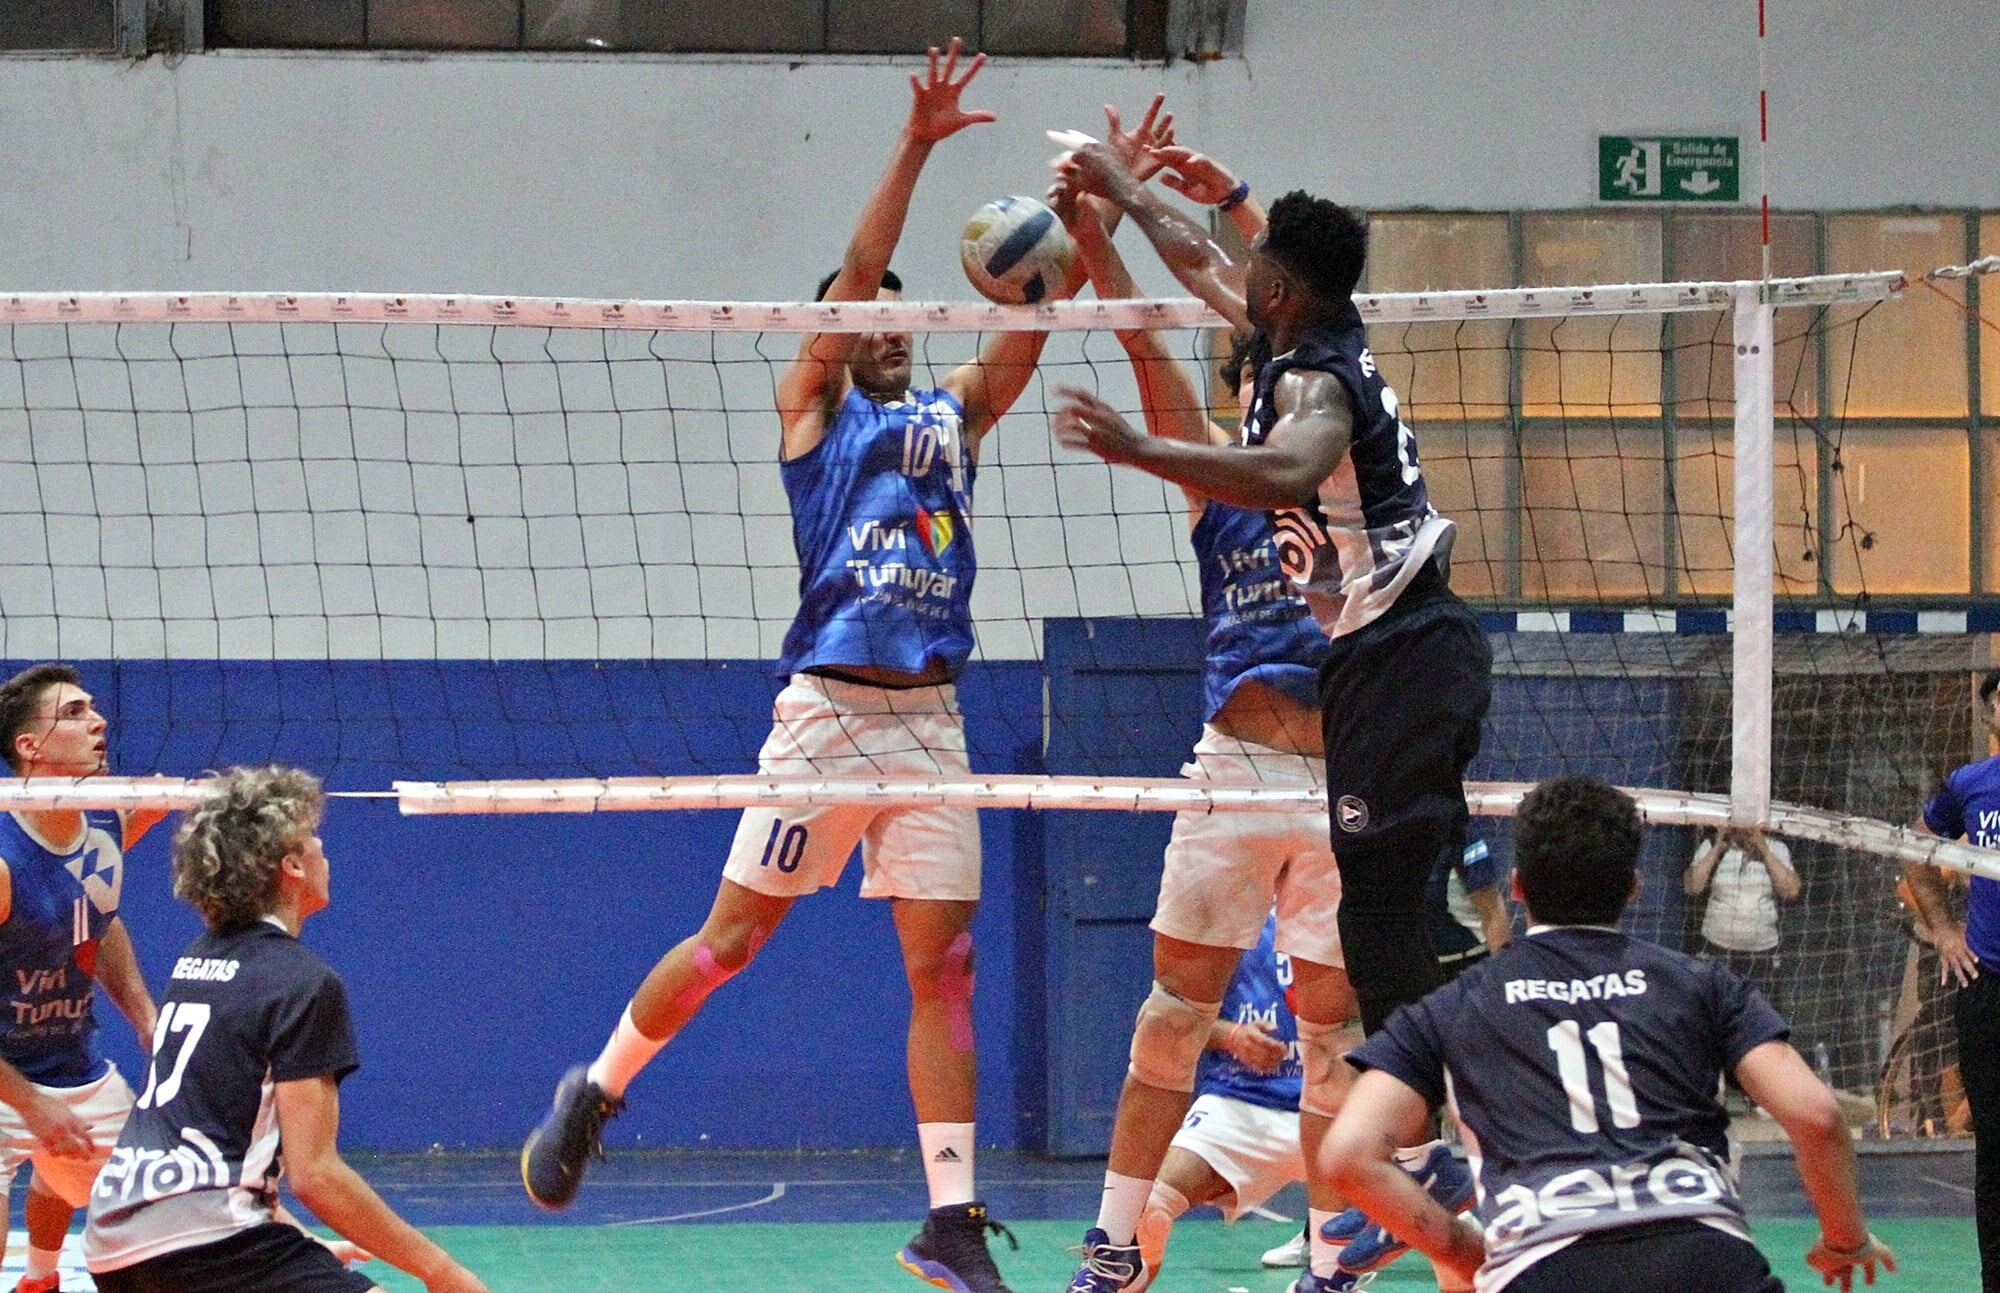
1169	1038
1326	1076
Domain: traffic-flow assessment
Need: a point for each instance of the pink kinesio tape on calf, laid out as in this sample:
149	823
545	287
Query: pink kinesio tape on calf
954	981
709	977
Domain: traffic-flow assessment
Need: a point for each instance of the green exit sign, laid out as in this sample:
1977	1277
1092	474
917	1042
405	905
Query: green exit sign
1668	168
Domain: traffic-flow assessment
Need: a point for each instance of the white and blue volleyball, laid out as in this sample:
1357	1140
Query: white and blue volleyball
1016	251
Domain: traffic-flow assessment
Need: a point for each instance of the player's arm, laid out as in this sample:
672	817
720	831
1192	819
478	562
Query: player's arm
1187	249
1202	179
1776	1077
816	378
1314	427
134	823
1382	1112
345	1251
988	386
308	1127
1253	1044
1702	869
1946	932
118	972
1496	925
48	1120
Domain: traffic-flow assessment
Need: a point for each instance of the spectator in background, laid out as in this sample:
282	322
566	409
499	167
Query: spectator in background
1468	916
1746	875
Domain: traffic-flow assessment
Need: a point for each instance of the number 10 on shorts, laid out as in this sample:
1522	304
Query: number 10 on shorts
786	852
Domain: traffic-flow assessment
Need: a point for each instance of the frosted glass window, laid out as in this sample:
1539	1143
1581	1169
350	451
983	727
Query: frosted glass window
1903	359
1591	367
1723	248
1907	494
1454	371
1593	503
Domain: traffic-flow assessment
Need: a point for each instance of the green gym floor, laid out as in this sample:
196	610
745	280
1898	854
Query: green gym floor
832	1223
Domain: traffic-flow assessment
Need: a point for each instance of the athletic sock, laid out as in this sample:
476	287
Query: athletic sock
1412	1157
947	1150
42	1262
628	1051
1124	1202
1325	1253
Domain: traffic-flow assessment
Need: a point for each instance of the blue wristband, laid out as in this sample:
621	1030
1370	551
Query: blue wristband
1237	197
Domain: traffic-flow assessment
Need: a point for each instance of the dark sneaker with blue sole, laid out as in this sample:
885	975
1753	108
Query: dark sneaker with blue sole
1445	1179
1108	1267
950	1251
558	1150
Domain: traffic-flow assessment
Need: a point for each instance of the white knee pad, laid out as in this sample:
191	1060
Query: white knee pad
1326	1076
1169	1038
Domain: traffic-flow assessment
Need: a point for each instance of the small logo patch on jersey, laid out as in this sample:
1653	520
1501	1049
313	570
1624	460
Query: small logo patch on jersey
935	530
1351	811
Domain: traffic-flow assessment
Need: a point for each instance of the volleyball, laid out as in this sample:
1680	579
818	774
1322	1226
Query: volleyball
1016	251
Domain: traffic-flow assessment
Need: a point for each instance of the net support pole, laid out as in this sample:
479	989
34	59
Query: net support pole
1755	544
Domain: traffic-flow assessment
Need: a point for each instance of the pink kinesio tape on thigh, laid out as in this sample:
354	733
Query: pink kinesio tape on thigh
955	985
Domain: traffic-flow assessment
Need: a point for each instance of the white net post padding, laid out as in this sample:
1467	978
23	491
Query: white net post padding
1755	551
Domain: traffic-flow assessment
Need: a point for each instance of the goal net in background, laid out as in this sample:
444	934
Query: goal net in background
470	540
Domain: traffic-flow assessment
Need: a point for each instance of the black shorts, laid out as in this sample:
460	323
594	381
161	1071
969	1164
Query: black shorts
1649	1258
1403	700
271	1258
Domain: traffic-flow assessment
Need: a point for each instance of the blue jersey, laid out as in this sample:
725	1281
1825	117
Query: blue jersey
1369	528
1259	629
64	900
1257	996
1969	807
881	521
1586	1066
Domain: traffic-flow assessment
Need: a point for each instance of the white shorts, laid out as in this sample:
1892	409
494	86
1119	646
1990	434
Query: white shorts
1224	869
102	1105
1253	1148
833	728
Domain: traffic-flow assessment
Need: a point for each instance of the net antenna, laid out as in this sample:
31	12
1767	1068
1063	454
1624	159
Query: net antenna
622	330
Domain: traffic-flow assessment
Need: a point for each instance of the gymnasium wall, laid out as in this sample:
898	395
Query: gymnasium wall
652	177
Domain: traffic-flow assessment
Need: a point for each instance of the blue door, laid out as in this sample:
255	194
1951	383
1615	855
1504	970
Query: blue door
1124	701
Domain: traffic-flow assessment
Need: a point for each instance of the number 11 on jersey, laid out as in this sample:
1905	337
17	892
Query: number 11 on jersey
1573	1065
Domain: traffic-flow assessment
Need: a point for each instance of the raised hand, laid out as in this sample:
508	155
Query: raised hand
934	110
1137	148
1097	169
1083	421
1196	176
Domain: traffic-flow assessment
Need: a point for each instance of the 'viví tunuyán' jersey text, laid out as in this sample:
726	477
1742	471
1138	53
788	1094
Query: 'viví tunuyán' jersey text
63	901
1369	527
1259	628
882	524
1256	997
1586	1067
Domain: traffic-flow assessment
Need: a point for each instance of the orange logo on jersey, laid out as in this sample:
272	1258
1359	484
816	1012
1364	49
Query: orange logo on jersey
935	530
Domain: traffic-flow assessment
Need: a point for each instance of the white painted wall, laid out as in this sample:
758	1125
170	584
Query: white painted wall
667	177
193	513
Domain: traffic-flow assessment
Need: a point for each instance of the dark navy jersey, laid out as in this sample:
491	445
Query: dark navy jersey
199	1158
1968	807
1256	996
1370	527
1586	1066
1259	629
64	900
882	524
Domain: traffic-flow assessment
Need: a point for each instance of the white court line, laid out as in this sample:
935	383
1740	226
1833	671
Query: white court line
777	1192
1945	1185
1269	1215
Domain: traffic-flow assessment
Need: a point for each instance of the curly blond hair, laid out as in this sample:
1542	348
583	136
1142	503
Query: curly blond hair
227	850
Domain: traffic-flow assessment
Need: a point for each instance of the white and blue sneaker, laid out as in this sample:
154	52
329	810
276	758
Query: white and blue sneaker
1344	1226
1338	1282
1293	1253
1445	1179
1108	1267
